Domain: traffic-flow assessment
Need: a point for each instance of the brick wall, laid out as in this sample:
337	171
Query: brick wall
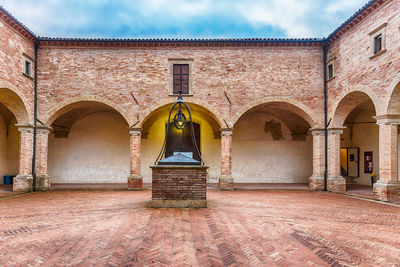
246	74
179	183
12	47
354	68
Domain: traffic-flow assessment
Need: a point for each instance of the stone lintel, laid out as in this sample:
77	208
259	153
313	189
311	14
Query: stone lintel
226	131
25	127
43	129
335	130
135	131
387	119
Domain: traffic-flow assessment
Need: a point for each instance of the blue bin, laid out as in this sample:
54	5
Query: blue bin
7	179
12	179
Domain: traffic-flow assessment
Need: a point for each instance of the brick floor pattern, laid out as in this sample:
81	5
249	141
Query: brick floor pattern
240	228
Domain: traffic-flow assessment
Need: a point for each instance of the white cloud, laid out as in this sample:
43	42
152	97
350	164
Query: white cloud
337	6
177	18
288	15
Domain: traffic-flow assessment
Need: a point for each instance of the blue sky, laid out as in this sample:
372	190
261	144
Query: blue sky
182	18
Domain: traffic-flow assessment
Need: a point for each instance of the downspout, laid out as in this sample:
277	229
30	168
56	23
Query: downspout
325	119
35	117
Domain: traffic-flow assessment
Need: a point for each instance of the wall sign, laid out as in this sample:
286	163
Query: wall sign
368	163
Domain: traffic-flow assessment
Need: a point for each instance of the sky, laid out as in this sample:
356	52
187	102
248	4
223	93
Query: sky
182	18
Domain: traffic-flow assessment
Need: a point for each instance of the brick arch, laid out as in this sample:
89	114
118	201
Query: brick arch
153	108
297	107
392	105
58	109
14	100
351	99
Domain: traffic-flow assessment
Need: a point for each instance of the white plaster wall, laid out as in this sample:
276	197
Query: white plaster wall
9	149
366	137
96	151
257	158
209	146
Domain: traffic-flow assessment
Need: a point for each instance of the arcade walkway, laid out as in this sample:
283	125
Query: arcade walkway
247	228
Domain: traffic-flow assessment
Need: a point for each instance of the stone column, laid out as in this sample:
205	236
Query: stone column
226	180
336	182
23	181
42	141
317	178
387	188
135	180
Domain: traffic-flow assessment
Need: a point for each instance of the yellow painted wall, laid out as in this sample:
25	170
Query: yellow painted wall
210	147
366	137
9	148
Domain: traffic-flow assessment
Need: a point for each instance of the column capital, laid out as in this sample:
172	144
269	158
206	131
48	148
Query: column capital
388	119
317	131
43	129
336	130
135	131
226	131
25	128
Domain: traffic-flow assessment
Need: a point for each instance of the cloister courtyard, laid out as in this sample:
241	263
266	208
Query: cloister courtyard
239	228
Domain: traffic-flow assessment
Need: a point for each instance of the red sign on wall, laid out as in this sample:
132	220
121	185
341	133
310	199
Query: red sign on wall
368	163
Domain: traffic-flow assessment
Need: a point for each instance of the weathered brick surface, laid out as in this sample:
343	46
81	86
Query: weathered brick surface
246	74
240	228
355	71
179	183
12	47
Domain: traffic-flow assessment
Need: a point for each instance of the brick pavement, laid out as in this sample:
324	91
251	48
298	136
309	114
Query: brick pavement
248	228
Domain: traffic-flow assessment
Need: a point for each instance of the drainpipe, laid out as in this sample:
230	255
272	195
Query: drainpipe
325	120
35	117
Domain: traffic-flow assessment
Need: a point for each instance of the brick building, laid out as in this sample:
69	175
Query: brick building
263	106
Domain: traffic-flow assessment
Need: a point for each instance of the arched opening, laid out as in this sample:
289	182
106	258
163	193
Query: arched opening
12	112
89	144
9	147
153	133
359	143
394	109
271	144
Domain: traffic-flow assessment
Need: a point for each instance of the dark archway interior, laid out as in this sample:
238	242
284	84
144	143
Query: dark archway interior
360	144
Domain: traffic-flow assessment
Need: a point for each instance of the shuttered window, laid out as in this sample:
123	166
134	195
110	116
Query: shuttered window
181	78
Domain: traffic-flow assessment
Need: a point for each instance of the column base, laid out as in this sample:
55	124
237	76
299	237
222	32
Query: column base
23	183
337	184
387	191
226	182
316	183
42	182
135	182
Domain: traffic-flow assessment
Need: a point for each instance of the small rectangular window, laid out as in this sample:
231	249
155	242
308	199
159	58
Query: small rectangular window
330	71
28	68
181	78
378	44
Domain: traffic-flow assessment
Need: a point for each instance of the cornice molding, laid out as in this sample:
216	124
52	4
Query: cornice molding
16	25
178	43
355	19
